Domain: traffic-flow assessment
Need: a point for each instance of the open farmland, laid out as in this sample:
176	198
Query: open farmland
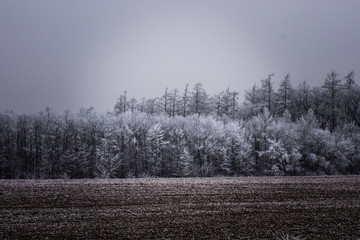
184	208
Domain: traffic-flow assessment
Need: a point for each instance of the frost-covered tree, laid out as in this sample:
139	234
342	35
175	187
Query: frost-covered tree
277	158
236	151
156	145
89	124
185	101
165	102
286	139
332	85
268	94
8	166
189	168
174	103
199	100
259	131
176	151
302	99
284	95
194	135
108	149
204	138
315	145
121	104
253	96
226	103
317	105
352	99
135	130
253	104
52	150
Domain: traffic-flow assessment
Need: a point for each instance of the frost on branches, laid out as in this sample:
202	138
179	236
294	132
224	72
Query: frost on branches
293	131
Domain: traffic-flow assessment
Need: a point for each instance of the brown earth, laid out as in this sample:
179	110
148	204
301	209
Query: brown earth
191	208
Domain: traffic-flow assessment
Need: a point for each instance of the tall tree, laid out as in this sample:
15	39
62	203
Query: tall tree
121	104
108	149
349	80
236	151
174	102
302	99
352	99
185	100
268	92
332	85
199	100
259	130
156	144
253	96
133	104
165	101
227	103
284	94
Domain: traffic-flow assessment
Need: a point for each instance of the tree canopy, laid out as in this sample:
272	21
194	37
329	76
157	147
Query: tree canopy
292	131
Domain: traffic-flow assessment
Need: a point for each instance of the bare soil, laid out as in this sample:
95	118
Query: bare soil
326	207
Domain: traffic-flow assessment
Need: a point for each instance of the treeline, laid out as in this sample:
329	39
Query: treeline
291	131
334	103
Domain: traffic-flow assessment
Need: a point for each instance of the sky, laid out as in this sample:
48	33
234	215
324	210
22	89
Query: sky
80	53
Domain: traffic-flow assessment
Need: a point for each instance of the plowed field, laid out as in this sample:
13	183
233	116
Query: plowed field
190	208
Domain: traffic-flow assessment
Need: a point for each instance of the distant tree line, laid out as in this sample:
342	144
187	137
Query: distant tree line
292	131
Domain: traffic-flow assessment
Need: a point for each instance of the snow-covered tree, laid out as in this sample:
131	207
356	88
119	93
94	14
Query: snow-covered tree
236	151
332	85
156	145
121	105
284	95
307	130
199	98
259	131
268	94
108	150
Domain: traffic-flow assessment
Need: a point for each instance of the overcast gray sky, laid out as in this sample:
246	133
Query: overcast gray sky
68	54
